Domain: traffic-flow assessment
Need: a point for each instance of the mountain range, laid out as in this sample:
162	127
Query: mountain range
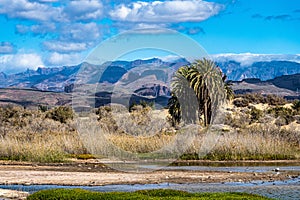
280	77
260	70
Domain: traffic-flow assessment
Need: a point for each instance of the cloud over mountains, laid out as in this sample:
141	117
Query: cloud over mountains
247	59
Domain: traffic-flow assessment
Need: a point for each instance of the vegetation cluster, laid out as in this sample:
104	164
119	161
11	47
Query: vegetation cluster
251	126
79	194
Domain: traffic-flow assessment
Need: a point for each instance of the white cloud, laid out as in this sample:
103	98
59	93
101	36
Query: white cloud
75	37
64	59
80	32
84	9
42	10
37	29
30	10
64	47
13	63
167	11
170	58
6	48
247	59
47	1
149	26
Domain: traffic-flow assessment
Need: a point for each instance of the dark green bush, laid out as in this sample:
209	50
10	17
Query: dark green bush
256	98
142	103
61	114
274	100
14	116
296	106
284	115
43	108
256	114
241	102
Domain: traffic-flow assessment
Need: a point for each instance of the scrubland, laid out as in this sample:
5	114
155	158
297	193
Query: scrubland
253	127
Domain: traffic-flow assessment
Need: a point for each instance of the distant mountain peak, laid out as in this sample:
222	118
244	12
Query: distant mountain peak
3	75
56	78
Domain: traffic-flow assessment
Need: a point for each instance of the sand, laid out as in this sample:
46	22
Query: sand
96	174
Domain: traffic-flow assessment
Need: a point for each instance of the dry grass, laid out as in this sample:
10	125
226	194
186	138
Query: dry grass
29	135
251	146
257	142
46	148
140	144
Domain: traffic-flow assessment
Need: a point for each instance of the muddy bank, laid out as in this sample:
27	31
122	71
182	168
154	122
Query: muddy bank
91	173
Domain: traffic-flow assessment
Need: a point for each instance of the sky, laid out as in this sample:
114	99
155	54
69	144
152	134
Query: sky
47	33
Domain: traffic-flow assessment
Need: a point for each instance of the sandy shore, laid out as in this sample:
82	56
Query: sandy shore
12	194
94	174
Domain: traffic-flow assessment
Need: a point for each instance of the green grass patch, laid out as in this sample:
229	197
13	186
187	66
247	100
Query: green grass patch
51	157
216	156
190	156
79	194
220	156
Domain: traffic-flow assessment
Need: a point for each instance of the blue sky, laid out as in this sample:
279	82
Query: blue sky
54	33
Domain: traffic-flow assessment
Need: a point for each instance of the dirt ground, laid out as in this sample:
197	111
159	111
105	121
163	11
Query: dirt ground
93	173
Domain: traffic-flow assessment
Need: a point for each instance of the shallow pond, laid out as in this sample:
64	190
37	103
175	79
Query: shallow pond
288	189
236	169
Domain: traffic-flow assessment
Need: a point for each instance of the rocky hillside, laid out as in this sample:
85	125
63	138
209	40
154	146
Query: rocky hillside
287	86
57	78
149	79
261	70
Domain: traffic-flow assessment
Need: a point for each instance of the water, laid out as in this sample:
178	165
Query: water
257	169
288	189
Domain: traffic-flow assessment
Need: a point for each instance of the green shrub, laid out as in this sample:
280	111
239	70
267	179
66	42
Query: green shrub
274	100
82	156
143	103
241	102
284	115
296	106
237	121
61	114
255	114
43	108
14	116
79	194
255	98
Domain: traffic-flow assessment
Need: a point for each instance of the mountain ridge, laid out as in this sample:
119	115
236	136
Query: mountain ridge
58	78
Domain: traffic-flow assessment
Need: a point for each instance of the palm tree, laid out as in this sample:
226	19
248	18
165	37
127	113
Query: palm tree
174	110
185	95
200	89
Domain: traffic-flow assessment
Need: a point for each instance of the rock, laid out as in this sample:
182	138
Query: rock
13	194
276	169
